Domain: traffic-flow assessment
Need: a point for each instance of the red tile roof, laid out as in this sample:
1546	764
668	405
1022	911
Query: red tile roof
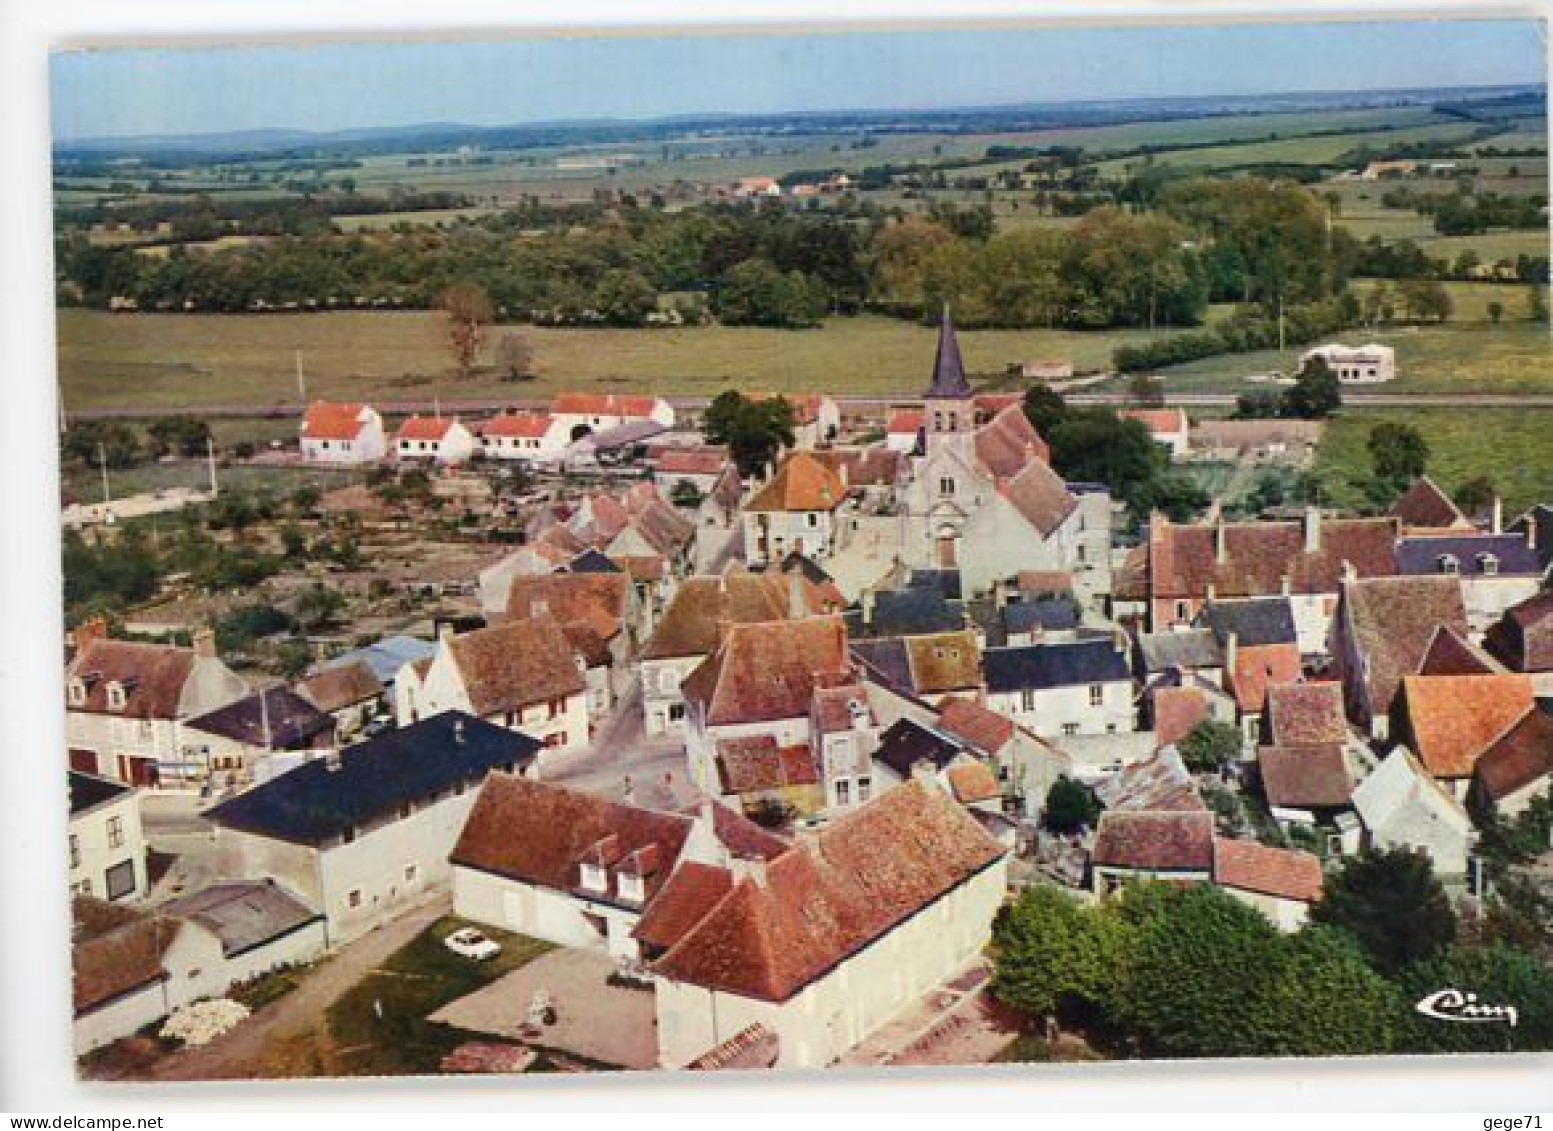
764	672
1259	555
1523	637
1281	872
1425	506
1176	711
116	949
833	895
1392	621
984	729
756	764
518	425
1159	421
511	666
802	483
1153	841
691	461
152	676
1257	668
973	782
1040	496
334	689
333	420
1303	714
1007	443
690	893
603	404
906	421
690	624
1305	777
597	600
1038	581
1451	720
752	1047
426	428
1519	757
1450	653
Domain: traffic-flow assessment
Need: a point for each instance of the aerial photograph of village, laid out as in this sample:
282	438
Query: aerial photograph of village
846	549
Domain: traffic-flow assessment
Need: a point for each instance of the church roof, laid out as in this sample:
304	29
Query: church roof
948	370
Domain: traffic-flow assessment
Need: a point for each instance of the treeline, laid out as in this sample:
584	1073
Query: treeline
1404	259
1243	332
204	217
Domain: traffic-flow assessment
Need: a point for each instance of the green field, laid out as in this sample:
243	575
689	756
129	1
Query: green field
1511	446
167	361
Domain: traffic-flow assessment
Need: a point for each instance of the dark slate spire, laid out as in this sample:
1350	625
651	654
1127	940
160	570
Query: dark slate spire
949	381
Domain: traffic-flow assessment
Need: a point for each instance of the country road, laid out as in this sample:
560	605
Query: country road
283	410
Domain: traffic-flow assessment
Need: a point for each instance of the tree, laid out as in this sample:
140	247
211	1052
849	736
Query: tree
1316	393
1398	453
624	298
188	436
316	606
1496	975
1210	746
1053	956
1258	404
515	358
1536	304
754	431
1324	1000
468	310
1071	806
1095	445
685	493
1475	495
1392	904
91	440
1044	407
757	293
1426	299
1495	311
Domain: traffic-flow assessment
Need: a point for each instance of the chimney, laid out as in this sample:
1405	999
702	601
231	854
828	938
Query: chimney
1348	571
1286	585
1312	530
445	631
92	628
1231	652
752	866
204	643
795	602
868	608
1531	530
1213	591
1496	523
841	472
1220	541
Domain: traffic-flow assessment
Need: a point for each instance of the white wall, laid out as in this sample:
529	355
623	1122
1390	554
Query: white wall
1055	708
94	854
557	917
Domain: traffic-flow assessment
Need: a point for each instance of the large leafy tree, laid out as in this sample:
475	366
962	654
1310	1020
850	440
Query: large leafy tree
1210	746
1495	975
1070	806
1398	453
1393	906
1325	1000
468	310
1055	957
755	431
1316	393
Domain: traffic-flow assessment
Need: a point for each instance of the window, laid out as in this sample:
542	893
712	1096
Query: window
353	900
75	851
1096	694
82	888
115	832
946	485
1027	699
410	873
843	792
77	693
676	712
631	887
1449	564
812	519
1489	564
593	877
1183	610
865	787
121	880
1070	729
116	697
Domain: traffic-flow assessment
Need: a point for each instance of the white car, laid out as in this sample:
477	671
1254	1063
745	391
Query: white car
470	943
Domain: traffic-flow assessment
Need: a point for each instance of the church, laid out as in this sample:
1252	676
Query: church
982	497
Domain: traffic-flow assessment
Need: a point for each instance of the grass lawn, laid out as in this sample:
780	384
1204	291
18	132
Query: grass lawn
1514	447
162	362
415	981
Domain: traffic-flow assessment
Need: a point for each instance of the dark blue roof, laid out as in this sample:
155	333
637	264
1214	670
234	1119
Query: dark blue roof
913	612
888	661
1053	615
313	803
946	581
1422	555
87	791
1037	666
591	561
905	743
1253	620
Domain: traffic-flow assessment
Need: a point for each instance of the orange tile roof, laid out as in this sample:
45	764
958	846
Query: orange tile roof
598	600
690	894
826	899
764	672
944	662
692	461
603	404
152	676
1302	714
1259	555
986	730
1158	420
1260	666
1176	711
333	420
1281	872
689	627
1305	777
1008	442
515	665
802	483
425	428
973	782
518	425
907	421
1453	719
1155	841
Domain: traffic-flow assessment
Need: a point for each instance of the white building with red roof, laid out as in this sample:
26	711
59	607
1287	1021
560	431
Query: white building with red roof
434	439
529	437
578	414
1168	427
342	432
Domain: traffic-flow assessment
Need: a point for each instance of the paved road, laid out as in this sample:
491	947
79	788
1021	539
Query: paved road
238	1055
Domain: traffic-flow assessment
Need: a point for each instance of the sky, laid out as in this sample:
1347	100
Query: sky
329	86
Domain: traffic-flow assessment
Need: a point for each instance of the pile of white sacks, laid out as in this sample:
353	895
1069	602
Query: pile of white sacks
203	1021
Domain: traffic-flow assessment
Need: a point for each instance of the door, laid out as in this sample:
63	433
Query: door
83	761
138	771
944	552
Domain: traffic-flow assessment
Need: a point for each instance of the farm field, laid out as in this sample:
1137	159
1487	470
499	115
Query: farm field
168	362
1295	150
1509	445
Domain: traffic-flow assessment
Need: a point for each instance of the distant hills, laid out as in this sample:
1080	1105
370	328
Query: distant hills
298	143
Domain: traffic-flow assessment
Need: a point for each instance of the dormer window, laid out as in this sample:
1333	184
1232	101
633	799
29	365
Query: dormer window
1449	564
593	878
1489	564
116	696
631	887
75	693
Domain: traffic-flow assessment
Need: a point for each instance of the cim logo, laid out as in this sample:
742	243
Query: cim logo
1454	1005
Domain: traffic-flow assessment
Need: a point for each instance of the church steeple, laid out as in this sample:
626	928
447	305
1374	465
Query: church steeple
949	381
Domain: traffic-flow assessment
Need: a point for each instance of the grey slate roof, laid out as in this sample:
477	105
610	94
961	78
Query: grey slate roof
1253	620
590	561
912	612
1051	615
87	791
1041	666
387	656
1192	648
946	581
887	661
905	743
1422	555
244	915
276	718
949	381
314	803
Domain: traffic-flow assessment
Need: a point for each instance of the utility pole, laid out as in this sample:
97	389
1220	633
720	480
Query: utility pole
301	381
210	458
102	463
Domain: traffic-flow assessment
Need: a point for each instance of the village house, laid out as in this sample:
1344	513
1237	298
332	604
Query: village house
578	414
126	704
1191	565
1281	883
338	432
844	733
1403	807
1355	365
363	834
760	684
1382	632
1260	644
878	908
106	841
928	668
1168	427
600	613
1423	507
1522	640
230	742
700	466
1026	766
797	511
522	675
579	870
903	431
1063	689
350	693
529	437
1178	702
1497	571
133	967
1311	787
1163	844
384	658
1450	721
1516	769
434	439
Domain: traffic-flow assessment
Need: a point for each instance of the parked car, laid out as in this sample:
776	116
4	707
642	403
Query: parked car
470	943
